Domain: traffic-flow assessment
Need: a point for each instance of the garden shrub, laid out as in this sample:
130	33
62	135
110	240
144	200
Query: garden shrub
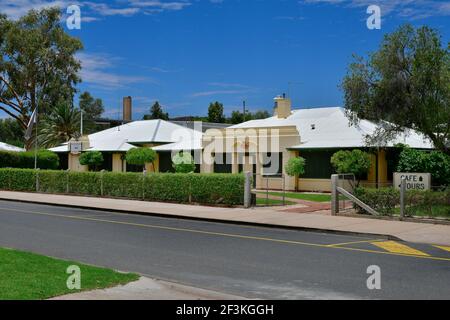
92	159
18	180
183	162
382	200
46	160
226	189
385	200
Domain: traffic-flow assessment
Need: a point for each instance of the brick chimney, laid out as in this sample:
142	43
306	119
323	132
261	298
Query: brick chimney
282	107
127	109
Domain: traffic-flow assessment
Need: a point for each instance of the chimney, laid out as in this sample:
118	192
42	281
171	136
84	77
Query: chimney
127	109
282	107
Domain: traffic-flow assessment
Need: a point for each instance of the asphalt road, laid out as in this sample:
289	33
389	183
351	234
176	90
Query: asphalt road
248	261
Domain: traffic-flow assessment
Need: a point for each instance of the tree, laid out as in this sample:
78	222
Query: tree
295	168
92	159
11	132
156	112
215	112
61	125
405	84
92	109
261	114
183	162
355	162
140	156
436	163
236	117
37	64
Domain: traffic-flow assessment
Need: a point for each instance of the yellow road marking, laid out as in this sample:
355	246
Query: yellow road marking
352	242
396	247
443	248
422	256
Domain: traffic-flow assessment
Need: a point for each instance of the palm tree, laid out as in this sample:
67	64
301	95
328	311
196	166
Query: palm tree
62	124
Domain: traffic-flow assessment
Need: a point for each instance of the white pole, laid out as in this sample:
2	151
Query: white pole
81	124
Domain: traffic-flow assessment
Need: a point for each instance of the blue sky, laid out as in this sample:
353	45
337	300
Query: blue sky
187	53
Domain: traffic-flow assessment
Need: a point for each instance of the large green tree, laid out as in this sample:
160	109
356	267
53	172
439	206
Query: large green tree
156	112
11	132
215	112
405	84
37	64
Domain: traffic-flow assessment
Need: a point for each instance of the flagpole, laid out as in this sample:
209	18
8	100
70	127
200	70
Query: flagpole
36	140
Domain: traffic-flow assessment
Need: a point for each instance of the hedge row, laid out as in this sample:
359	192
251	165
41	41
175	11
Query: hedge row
385	200
227	189
45	159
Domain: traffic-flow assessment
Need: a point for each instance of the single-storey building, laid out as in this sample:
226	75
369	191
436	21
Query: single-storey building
260	146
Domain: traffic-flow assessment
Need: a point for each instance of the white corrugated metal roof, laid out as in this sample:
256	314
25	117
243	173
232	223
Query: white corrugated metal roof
192	141
331	129
123	137
8	147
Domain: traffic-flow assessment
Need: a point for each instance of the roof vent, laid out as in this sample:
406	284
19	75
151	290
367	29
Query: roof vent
313	127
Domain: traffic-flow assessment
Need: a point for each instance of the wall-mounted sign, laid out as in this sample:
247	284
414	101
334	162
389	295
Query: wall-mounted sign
75	147
414	181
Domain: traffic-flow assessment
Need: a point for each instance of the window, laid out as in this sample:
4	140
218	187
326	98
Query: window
273	164
221	165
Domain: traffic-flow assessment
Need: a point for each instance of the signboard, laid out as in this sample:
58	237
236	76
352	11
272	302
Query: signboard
75	147
414	181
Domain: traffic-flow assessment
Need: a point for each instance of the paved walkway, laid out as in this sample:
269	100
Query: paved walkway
149	289
276	216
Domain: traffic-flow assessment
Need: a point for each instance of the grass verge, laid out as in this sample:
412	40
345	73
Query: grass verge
303	196
272	202
29	276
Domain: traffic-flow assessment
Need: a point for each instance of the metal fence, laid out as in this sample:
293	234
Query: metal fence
269	190
387	199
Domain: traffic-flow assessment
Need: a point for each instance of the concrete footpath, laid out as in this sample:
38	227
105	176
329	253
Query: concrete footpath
149	289
275	216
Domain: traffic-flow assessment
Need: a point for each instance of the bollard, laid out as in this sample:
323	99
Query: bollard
334	195
248	190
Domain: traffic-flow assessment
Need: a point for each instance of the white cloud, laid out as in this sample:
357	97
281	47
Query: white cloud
96	70
17	8
217	92
414	9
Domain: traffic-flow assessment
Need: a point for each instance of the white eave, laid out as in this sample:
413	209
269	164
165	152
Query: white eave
8	147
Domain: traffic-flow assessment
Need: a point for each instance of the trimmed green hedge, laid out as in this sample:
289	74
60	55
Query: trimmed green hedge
387	200
25	160
225	189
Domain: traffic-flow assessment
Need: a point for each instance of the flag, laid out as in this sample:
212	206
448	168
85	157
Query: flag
31	123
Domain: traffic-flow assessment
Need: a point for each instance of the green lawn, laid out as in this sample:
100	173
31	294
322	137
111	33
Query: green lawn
271	202
316	197
30	276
